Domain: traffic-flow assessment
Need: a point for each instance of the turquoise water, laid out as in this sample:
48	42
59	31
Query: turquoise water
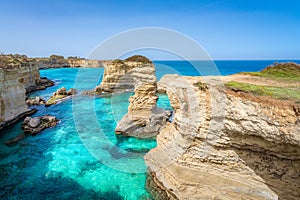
81	157
76	160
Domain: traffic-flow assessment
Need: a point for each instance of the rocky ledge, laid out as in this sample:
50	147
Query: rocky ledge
40	84
35	101
33	126
225	144
60	95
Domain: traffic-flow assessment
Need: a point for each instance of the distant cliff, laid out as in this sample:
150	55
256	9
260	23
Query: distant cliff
56	61
225	144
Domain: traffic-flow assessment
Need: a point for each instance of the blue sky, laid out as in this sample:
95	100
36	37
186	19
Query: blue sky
232	29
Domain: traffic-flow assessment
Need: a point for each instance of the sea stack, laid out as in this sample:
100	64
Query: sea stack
137	73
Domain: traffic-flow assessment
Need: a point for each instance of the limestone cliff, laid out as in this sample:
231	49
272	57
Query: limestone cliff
18	75
55	61
225	145
143	119
136	73
117	77
25	71
12	97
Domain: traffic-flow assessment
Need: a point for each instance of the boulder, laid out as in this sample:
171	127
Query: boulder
35	125
35	102
34	122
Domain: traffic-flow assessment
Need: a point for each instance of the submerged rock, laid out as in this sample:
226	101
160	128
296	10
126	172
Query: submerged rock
60	95
35	125
40	84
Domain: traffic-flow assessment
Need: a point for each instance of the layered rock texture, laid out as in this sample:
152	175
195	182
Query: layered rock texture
225	144
56	61
26	71
12	97
18	75
136	73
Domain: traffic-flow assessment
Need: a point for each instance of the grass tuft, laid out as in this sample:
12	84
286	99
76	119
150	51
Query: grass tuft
282	71
277	92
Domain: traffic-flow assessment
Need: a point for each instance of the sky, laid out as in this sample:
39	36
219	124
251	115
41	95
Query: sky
226	29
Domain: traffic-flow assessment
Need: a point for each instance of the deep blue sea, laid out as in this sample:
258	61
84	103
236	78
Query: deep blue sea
81	158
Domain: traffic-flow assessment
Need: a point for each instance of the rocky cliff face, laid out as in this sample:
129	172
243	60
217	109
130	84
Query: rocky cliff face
225	145
12	96
46	63
137	73
24	70
18	75
117	77
143	119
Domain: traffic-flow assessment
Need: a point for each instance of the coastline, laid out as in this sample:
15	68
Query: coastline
234	95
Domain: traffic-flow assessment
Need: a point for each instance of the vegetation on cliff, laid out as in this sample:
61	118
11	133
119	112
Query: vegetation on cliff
280	81
276	92
12	60
139	58
280	71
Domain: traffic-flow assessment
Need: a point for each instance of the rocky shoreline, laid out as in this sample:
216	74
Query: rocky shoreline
236	138
224	142
219	136
18	76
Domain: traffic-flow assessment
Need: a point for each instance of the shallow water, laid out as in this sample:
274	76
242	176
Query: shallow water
81	157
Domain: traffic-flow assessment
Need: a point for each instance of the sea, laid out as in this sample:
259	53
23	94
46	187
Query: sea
81	157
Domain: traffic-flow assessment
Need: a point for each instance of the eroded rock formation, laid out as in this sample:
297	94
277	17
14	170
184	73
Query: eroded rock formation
136	73
35	125
26	71
225	145
56	61
60	95
18	75
12	97
35	101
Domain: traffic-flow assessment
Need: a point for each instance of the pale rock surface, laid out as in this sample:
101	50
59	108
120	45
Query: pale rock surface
143	119
223	145
12	97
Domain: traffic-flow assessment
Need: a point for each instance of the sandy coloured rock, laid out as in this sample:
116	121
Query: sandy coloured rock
224	144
